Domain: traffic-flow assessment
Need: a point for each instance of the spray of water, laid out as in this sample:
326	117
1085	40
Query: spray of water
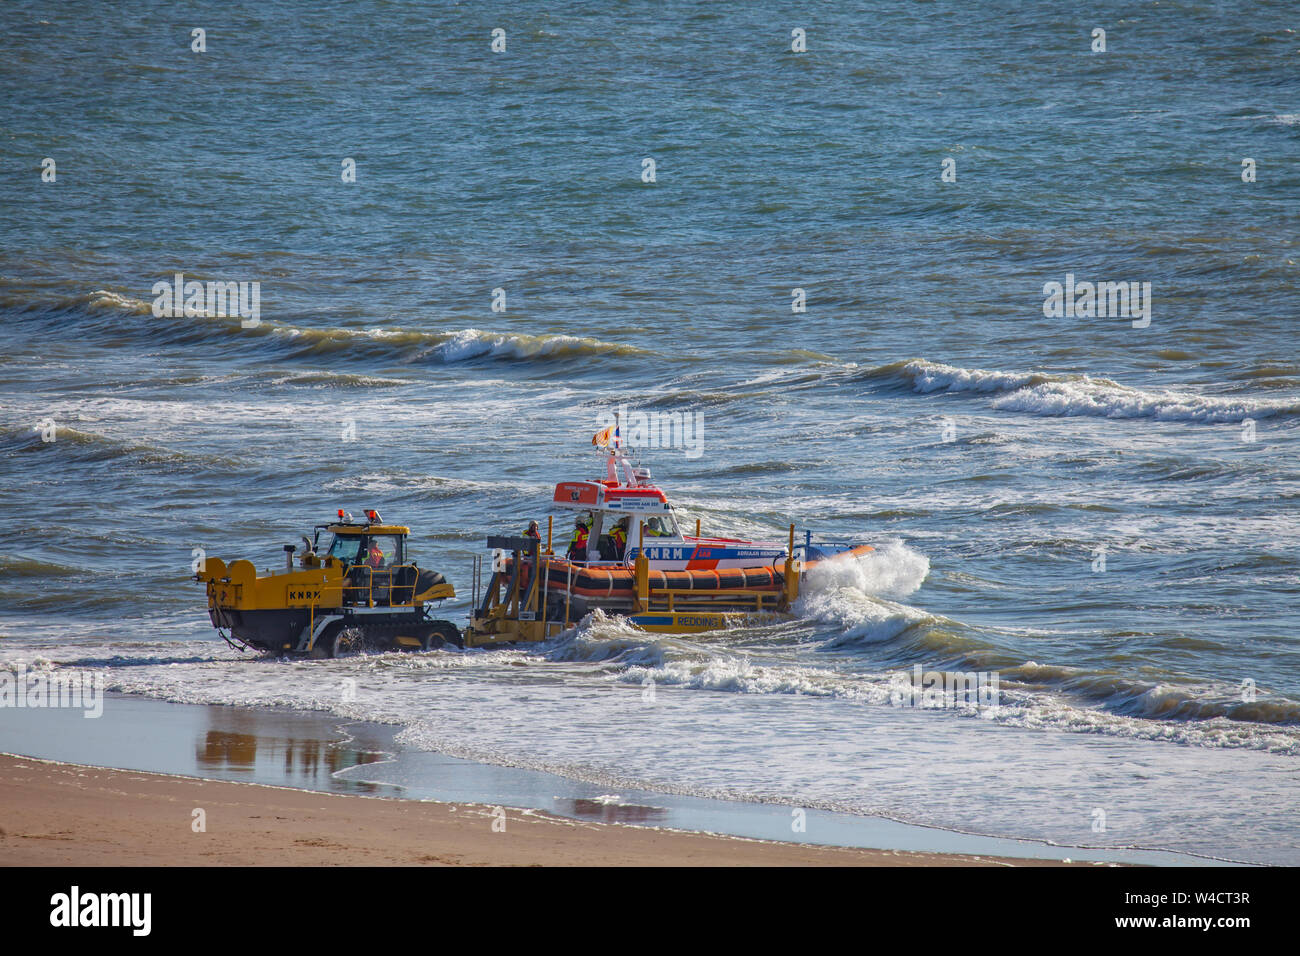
858	595
893	570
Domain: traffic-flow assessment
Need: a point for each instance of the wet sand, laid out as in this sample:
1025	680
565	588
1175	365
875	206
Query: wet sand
55	814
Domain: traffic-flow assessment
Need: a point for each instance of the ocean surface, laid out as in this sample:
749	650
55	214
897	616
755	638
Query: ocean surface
1105	515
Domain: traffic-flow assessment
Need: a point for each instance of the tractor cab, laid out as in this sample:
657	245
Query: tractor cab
372	555
370	543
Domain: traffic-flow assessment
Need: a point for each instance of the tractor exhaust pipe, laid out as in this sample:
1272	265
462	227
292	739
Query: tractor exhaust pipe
289	549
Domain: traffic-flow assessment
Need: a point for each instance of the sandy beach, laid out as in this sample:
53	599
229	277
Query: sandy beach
54	814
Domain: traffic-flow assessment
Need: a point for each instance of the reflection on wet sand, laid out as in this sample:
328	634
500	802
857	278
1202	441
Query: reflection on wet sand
603	811
236	739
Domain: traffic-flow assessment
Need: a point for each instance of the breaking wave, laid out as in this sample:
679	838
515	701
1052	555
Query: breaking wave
105	310
473	343
892	570
1042	393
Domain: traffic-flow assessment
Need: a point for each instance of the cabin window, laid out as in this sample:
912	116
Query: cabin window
660	526
382	551
345	547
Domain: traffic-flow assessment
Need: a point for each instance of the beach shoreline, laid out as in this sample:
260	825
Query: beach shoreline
61	814
298	753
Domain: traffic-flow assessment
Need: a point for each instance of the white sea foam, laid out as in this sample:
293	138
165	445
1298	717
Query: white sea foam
626	655
851	594
933	377
104	299
435	485
1044	394
1101	398
892	570
738	674
468	344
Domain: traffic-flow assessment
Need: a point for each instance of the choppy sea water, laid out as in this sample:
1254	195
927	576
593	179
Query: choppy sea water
923	400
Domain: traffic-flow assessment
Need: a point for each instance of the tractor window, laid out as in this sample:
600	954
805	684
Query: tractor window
345	548
383	551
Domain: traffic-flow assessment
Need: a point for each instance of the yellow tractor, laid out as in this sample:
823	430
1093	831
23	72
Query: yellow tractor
360	593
